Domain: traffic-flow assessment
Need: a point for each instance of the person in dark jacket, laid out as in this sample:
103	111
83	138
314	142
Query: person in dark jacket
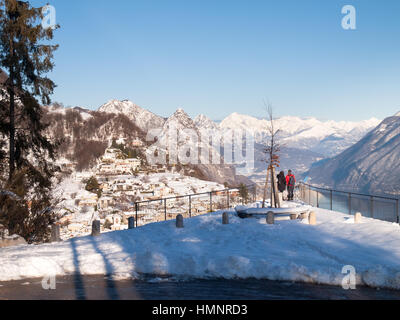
281	181
290	182
281	185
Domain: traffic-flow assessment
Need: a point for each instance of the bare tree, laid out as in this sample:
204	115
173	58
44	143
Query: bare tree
271	150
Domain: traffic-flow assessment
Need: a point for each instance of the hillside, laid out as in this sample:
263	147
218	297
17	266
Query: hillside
371	165
86	134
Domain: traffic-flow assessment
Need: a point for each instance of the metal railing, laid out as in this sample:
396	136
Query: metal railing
190	205
372	206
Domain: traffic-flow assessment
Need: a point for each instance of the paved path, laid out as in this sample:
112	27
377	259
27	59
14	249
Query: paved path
102	288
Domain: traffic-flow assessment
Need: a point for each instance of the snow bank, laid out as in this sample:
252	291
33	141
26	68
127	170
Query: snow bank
288	250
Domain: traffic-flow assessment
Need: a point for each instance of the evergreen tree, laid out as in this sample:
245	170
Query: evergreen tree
92	185
26	59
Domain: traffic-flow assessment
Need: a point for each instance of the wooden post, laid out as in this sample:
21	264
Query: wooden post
277	203
265	188
227	192
131	223
272	198
270	217
179	221
55	233
96	228
225	218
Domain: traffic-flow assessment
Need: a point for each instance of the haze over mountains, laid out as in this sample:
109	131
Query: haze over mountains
305	140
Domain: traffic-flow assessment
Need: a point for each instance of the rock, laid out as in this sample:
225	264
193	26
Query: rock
11	241
179	221
357	217
131	223
270	217
225	218
55	233
312	219
96	230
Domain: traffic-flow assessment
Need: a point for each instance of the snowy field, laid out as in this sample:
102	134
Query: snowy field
288	250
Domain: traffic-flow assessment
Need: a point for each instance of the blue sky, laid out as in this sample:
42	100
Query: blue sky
219	57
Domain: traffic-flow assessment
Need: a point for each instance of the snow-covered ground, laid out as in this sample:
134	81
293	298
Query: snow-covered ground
288	250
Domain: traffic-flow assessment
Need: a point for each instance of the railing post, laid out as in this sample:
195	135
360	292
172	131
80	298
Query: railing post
349	203
165	209
397	210
136	218
227	193
372	206
190	206
331	199
317	199
211	201
309	195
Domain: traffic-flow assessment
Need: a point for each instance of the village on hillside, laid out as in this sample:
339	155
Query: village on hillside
108	192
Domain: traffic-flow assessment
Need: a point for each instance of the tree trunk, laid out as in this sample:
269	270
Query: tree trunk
12	133
272	191
277	202
265	189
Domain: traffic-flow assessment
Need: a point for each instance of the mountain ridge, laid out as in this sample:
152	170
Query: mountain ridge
310	137
364	166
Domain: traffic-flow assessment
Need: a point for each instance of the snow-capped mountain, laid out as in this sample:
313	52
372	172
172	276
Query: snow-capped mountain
305	140
371	165
327	138
203	122
86	135
189	148
142	118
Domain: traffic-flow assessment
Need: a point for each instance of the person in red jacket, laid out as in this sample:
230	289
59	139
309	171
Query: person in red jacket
290	183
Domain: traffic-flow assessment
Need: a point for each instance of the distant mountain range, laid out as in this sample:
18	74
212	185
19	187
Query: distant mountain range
371	165
326	138
305	140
